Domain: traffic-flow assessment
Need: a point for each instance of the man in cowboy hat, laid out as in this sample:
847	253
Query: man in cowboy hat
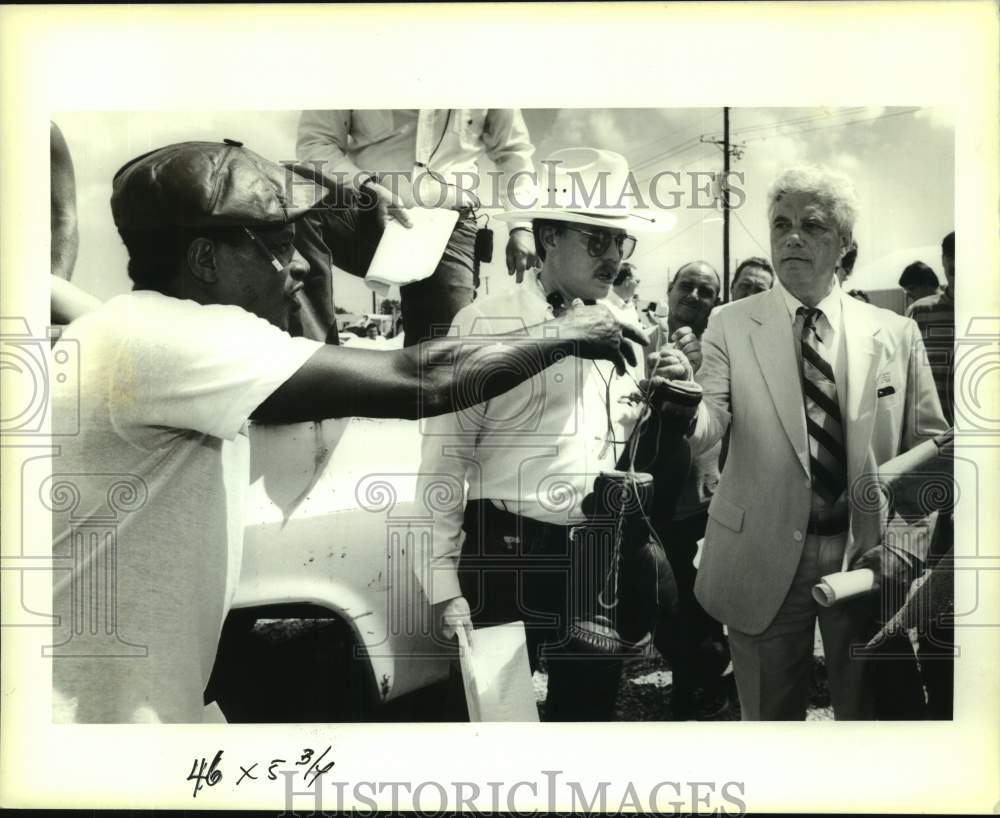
527	461
156	429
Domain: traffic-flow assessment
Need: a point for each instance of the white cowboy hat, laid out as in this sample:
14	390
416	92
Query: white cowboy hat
586	186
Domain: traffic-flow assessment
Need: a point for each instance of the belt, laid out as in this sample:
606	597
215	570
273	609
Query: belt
829	526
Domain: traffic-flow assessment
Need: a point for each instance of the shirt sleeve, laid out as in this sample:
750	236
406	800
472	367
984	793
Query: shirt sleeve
322	139
508	144
447	449
184	366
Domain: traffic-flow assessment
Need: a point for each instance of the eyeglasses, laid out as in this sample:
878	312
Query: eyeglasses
277	265
599	242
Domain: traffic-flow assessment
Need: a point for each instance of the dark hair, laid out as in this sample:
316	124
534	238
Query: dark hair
918	274
948	245
625	271
753	261
154	256
536	228
851	256
861	295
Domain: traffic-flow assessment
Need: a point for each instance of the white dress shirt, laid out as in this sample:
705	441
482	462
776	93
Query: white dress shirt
534	450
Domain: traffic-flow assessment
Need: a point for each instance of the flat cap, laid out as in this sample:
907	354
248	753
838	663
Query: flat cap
204	184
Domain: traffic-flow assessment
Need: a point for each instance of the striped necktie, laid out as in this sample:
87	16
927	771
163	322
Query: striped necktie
827	455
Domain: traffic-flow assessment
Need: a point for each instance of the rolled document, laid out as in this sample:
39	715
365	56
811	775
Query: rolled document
834	588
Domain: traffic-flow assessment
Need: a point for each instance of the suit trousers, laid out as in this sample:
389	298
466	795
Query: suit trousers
342	232
773	669
515	568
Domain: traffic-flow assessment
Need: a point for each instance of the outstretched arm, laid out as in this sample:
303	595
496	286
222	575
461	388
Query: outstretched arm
443	375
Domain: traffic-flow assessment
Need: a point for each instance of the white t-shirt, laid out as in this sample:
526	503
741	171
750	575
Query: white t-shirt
148	496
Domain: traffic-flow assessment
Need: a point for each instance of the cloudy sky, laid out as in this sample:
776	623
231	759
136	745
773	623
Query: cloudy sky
900	158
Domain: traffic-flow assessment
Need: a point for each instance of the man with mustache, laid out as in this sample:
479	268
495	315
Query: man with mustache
531	457
817	389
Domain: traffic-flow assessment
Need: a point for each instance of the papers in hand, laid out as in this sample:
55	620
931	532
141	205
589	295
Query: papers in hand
408	254
834	588
496	674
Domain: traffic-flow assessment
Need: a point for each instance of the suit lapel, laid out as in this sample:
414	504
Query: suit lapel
773	345
863	346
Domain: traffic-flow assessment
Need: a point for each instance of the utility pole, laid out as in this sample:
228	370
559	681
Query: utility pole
727	151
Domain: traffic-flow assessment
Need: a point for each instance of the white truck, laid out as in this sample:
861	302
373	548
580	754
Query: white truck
331	534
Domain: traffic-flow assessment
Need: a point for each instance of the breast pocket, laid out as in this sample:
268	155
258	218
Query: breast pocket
726	513
886	397
470	125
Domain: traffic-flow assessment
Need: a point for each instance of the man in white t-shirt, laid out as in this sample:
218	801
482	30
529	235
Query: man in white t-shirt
148	485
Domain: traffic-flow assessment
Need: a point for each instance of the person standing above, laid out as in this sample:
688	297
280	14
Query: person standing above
818	389
156	428
398	158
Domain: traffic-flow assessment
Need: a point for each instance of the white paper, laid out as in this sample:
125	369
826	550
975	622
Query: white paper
497	675
408	254
834	588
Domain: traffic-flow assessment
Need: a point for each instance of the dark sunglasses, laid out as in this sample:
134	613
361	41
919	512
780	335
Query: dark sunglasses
599	242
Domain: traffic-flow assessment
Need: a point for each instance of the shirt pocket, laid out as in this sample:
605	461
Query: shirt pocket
470	125
726	513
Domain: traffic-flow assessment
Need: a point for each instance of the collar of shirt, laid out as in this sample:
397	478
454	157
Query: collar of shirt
617	300
536	286
831	305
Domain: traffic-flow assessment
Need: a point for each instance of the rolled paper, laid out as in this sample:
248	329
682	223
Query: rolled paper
834	588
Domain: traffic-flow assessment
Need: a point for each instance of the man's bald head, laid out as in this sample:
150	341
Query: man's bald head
692	294
702	267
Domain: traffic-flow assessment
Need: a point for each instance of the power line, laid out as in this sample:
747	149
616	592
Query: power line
661	140
753	238
675	236
836	125
686	165
680	147
800	120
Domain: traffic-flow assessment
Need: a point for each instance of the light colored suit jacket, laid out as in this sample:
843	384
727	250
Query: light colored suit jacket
760	512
